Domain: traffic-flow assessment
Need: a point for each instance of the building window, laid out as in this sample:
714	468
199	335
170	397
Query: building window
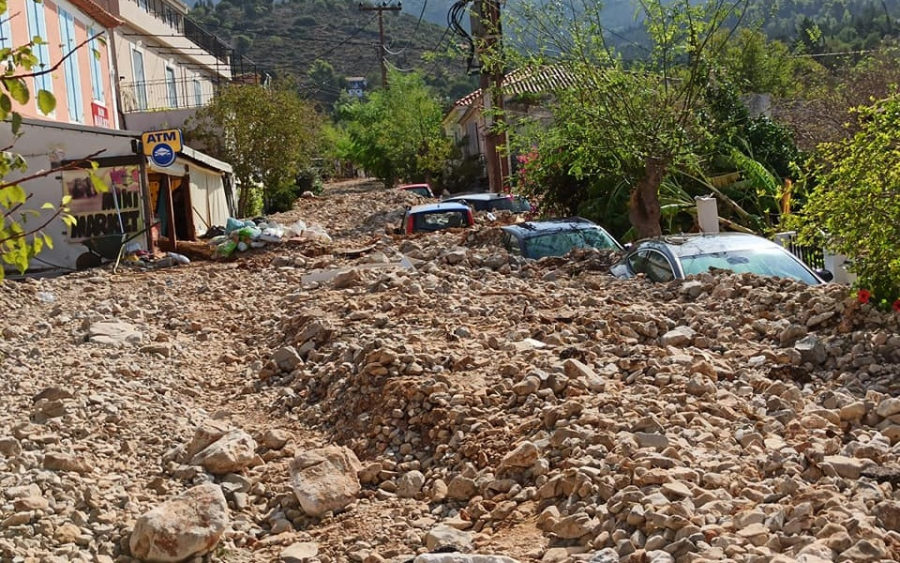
37	25
74	99
171	87
96	70
140	82
198	93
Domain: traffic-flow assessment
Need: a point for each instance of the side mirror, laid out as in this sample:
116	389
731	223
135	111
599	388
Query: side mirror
627	246
826	275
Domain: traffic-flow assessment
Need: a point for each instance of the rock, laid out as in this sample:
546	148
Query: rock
574	526
60	461
410	484
189	525
9	446
866	551
577	370
889	406
67	533
287	359
888	514
846	467
229	454
347	279
275	439
461	488
204	435
300	552
442	536
678	337
462	558
523	456
325	479
113	333
811	350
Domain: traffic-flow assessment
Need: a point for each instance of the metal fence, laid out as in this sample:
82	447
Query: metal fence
156	95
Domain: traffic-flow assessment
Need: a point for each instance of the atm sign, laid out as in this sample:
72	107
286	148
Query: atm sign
170	137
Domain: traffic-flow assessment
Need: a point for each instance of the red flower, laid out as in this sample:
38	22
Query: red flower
896	306
863	295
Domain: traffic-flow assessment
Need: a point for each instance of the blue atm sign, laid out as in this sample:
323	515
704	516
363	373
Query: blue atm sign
162	146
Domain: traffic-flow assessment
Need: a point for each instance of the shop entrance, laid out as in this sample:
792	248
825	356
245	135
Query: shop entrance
170	204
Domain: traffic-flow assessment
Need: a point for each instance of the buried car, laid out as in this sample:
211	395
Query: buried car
423	190
676	256
556	237
490	201
437	216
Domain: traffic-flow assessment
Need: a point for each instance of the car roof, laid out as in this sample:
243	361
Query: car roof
706	243
533	228
410	186
444	206
480	196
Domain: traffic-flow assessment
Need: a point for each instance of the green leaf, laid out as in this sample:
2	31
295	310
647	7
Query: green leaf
17	89
48	240
66	200
15	194
46	102
48	205
16	123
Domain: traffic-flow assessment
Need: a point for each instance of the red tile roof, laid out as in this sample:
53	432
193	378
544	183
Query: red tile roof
531	80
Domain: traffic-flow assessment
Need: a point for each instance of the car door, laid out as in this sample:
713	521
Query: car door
654	264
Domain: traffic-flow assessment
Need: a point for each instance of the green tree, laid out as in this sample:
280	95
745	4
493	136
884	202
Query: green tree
268	134
396	133
20	241
855	205
637	120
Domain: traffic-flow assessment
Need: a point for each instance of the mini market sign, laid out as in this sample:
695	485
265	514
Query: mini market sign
162	146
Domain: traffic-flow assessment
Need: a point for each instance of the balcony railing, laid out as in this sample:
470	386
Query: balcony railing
160	95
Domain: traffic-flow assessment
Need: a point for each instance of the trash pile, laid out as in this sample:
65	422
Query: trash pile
242	235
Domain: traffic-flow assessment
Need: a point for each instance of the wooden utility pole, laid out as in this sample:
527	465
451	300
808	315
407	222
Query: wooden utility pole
488	39
383	7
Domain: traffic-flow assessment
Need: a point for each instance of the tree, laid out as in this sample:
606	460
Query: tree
855	205
19	240
637	120
268	134
396	134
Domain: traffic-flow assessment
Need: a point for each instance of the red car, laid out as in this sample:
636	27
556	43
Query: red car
423	190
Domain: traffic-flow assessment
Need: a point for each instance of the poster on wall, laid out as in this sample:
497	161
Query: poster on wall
96	212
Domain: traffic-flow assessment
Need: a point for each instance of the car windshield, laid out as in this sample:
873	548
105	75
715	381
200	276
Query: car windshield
761	261
419	190
437	220
561	242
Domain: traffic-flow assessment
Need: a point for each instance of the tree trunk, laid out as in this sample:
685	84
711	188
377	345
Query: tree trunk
644	209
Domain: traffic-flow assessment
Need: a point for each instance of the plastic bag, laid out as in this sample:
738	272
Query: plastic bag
232	225
272	234
180	258
226	248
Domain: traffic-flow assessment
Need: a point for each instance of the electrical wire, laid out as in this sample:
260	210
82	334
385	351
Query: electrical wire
454	23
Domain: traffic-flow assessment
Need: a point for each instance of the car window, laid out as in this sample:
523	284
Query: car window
422	191
511	243
561	242
773	262
637	262
436	220
658	267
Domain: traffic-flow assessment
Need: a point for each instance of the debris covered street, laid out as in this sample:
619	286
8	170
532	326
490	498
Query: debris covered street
380	397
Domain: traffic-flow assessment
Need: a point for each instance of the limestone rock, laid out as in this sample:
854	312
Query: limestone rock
325	479
229	454
189	525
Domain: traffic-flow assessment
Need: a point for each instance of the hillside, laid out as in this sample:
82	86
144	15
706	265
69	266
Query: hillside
288	38
323	41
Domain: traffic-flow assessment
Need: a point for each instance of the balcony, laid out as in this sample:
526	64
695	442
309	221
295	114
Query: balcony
165	95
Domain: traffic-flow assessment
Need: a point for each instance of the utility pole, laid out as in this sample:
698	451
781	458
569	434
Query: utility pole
488	39
381	9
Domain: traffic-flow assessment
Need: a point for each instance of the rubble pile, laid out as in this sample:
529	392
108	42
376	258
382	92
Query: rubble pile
432	399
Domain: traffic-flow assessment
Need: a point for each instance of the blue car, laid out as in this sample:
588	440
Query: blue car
556	237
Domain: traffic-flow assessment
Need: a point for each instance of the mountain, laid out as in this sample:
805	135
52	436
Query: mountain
333	40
